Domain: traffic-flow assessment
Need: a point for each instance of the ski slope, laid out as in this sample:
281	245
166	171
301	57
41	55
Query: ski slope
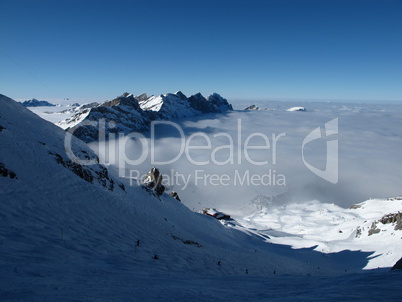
63	237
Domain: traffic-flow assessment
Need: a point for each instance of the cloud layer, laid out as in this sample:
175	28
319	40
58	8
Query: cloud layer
226	161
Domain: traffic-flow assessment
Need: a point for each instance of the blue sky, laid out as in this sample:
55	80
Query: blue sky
96	50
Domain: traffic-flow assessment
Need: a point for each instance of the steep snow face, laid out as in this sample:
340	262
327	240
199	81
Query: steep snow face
129	113
27	138
177	105
169	106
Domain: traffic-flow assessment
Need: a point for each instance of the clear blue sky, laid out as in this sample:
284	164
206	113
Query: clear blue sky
96	50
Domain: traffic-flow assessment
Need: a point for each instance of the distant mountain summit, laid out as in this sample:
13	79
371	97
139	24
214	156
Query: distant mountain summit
36	103
128	113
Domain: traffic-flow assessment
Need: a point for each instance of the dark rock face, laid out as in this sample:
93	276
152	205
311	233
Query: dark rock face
122	114
6	172
199	103
393	218
90	105
36	103
252	107
128	113
221	103
175	195
124	100
88	173
373	229
181	95
398	265
355	206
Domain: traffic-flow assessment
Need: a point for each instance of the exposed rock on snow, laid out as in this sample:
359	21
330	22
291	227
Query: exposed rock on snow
373	229
36	103
397	265
296	109
252	107
393	219
332	229
175	195
256	108
46	142
122	114
90	174
153	181
394	198
6	172
129	113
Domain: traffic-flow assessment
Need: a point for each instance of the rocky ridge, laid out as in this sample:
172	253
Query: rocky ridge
128	113
36	103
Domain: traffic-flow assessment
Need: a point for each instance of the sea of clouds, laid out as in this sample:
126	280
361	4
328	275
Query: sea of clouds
236	160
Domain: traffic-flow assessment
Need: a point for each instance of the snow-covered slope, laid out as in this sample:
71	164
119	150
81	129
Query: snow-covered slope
54	207
129	113
67	234
330	228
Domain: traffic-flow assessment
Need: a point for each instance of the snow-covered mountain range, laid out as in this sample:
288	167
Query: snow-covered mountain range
36	103
129	113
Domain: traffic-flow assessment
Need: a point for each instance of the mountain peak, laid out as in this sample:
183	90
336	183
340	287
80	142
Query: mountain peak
181	95
135	113
36	103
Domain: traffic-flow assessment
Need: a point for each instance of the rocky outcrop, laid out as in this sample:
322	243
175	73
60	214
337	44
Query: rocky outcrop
252	107
153	181
373	229
128	113
393	218
355	206
175	195
397	265
92	173
394	198
6	172
256	108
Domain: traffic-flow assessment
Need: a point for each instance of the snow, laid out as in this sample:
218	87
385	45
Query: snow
153	103
52	114
296	109
331	228
64	238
